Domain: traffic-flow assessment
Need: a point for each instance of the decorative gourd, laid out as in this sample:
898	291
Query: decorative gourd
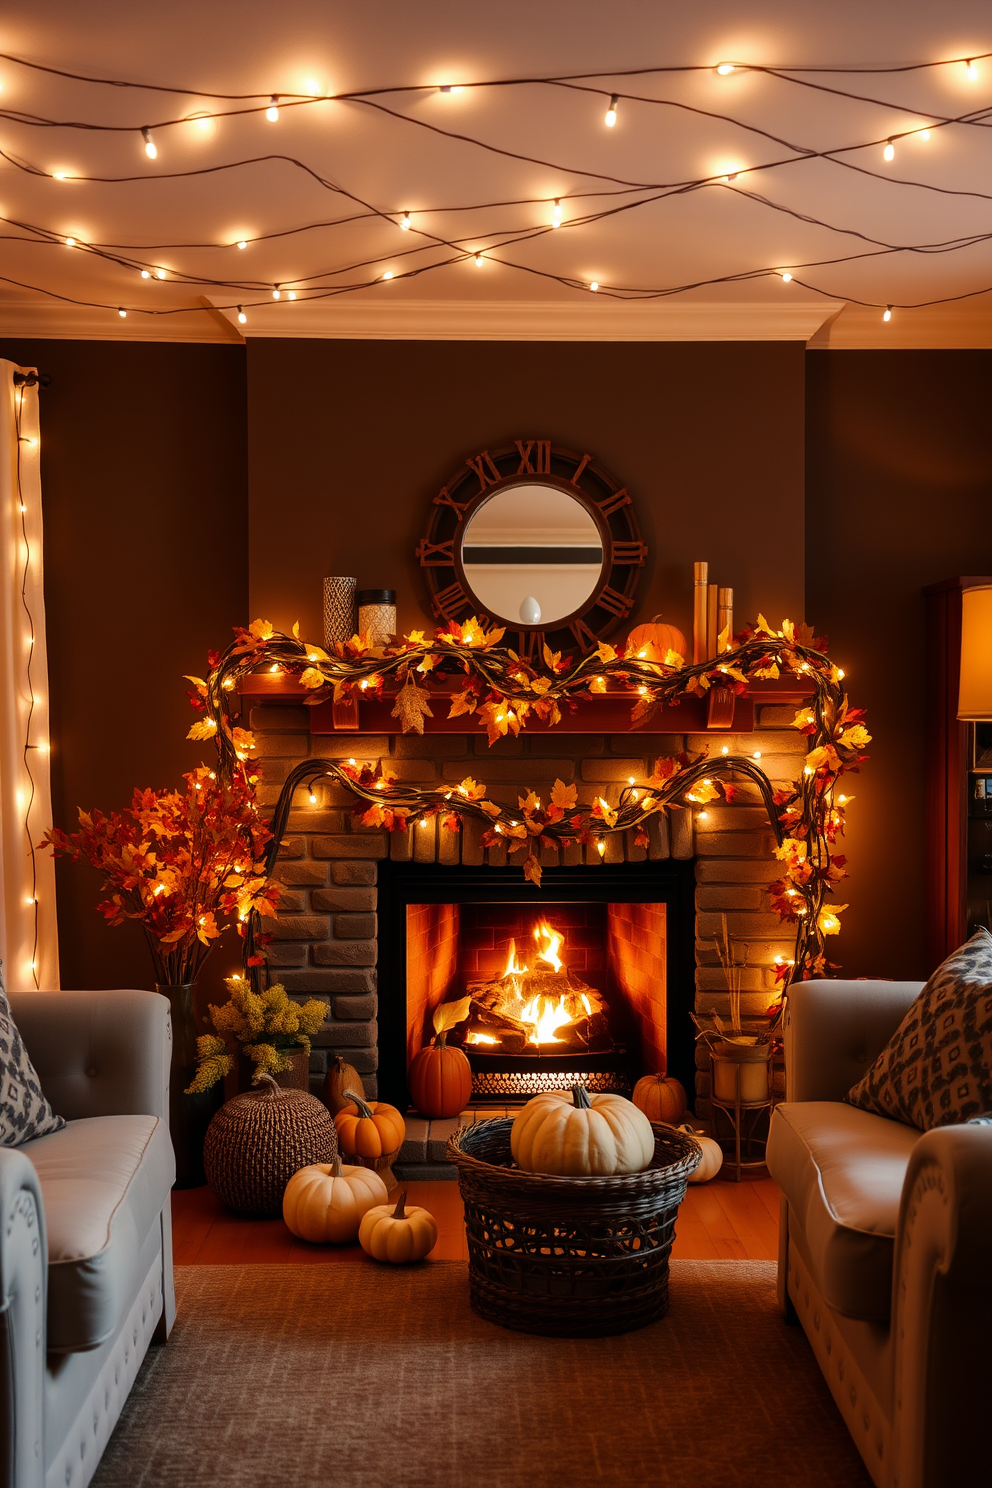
398	1235
326	1202
369	1129
339	1078
712	1159
440	1078
661	1098
578	1135
656	640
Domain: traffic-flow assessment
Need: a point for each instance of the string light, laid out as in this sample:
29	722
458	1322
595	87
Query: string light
242	243
291	295
313	798
451	88
70	242
388	274
601	847
122	312
556	214
145	274
971	70
786	277
611	112
888	313
60	176
889	153
276	292
242	317
159	273
594	286
924	134
272	112
151	149
725	68
479	260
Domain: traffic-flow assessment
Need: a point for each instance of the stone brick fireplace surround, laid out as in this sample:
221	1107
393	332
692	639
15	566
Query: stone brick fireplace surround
325	935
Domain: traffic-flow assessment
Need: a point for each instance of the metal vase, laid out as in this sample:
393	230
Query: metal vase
189	1115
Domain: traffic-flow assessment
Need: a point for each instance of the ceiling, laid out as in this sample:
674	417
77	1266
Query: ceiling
334	159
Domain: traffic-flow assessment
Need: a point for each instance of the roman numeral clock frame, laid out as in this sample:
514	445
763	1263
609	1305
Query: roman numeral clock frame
540	463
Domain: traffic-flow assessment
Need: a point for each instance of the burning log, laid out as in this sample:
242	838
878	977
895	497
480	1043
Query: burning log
526	1010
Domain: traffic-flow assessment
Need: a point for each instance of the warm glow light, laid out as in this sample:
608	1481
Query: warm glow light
787	277
272	112
123	314
548	941
757	754
159	273
594	286
388	274
242	317
313	798
725	749
975	689
479	260
889	153
150	147
725	68
611	112
601	847
291	295
145	274
924	134
70	242
971	70
60	175
242	243
888	313
276	293
405	222
452	88
556	214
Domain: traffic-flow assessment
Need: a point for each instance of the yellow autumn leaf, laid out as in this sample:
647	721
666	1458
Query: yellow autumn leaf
463	702
471	789
491	808
763	626
805	718
855	737
448	1014
701	792
607	812
532	870
564	795
828	919
296	630
204	728
605	652
551	658
316	653
310	677
789	631
198	683
262	630
597	684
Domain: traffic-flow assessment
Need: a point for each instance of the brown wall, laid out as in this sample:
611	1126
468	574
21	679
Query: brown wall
350	441
143	469
899	495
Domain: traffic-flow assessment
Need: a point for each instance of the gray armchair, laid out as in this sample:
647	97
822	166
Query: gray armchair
86	1240
885	1245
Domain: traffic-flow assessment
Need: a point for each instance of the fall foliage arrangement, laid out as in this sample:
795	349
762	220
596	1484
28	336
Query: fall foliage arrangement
503	692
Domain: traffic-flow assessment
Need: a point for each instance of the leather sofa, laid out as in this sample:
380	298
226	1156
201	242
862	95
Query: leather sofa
885	1245
86	1240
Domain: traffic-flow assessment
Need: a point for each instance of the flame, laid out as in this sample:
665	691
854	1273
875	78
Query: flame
512	969
587	1004
547	1014
479	1038
549	942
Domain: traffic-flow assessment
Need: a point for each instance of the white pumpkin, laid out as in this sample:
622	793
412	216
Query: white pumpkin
712	1159
325	1203
573	1134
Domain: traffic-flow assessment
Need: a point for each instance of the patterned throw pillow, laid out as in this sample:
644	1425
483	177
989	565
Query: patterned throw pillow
937	1067
24	1111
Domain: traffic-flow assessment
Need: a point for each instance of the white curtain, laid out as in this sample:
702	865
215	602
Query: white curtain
28	929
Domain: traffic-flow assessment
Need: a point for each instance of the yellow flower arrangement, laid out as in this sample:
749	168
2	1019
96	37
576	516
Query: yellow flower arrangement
268	1026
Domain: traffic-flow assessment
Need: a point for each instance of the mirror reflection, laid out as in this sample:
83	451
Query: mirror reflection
532	554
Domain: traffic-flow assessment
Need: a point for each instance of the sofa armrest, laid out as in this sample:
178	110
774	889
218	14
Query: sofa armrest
942	1309
835	1030
23	1298
99	1053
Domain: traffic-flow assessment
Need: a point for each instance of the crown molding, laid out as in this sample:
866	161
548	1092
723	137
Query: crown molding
824	325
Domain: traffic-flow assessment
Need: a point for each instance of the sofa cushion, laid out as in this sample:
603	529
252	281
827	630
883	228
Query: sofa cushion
104	1183
937	1066
842	1171
24	1111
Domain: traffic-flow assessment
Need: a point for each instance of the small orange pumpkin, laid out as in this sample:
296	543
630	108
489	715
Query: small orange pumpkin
655	640
440	1079
661	1098
369	1129
339	1078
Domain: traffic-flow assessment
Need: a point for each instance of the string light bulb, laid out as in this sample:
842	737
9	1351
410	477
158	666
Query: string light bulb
556	214
291	295
611	112
145	274
405	222
276	292
242	317
451	88
971	70
70	242
786	277
159	273
313	798
594	286
122	313
725	69
924	134
151	149
242	243
889	153
272	112
888	313
388	274
601	847
479	260
60	175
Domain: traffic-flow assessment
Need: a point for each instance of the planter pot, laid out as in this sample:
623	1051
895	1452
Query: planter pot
746	1063
297	1077
189	1115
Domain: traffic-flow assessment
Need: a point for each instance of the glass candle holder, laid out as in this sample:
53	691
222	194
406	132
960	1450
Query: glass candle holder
339	610
377	615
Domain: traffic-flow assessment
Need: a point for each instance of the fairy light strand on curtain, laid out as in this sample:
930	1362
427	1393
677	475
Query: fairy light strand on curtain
21	381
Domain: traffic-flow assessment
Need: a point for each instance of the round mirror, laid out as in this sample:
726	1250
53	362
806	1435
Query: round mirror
532	554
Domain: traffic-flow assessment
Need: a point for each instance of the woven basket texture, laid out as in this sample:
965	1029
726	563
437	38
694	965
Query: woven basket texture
257	1141
569	1257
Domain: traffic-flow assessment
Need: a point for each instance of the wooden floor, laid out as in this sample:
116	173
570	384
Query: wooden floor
718	1221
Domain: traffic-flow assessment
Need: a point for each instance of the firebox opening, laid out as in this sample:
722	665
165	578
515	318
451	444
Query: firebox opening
592	977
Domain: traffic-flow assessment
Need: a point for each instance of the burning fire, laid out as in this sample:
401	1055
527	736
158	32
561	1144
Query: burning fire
547	1015
535	1003
549	942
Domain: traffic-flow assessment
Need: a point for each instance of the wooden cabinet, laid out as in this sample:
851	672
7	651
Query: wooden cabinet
958	815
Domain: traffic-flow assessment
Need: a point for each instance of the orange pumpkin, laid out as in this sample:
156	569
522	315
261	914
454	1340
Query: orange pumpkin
440	1079
369	1129
653	641
661	1098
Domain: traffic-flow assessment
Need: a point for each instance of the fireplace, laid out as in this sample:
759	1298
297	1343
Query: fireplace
591	977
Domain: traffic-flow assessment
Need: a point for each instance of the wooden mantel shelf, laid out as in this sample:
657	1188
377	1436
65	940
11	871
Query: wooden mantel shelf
605	713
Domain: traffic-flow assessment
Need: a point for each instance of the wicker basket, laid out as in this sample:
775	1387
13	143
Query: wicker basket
570	1257
257	1141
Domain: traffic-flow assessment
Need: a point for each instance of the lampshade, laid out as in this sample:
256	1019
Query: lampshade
975	696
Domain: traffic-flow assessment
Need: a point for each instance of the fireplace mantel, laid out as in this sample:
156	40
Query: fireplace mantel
605	713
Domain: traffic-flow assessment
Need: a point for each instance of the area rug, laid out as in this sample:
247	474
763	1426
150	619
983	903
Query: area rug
292	1376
